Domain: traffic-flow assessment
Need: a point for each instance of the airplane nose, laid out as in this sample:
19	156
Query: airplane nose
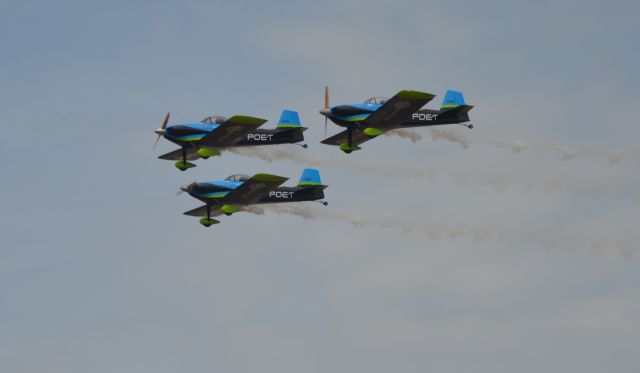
325	111
159	131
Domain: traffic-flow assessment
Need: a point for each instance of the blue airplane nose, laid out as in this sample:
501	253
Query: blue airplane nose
325	111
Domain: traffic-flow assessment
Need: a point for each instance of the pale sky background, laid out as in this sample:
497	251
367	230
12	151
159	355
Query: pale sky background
101	272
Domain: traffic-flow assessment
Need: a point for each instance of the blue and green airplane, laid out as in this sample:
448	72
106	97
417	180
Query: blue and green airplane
213	134
237	192
377	115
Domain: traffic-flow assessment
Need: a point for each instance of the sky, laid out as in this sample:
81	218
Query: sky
512	246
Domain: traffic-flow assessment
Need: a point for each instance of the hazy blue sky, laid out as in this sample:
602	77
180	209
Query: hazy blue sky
465	259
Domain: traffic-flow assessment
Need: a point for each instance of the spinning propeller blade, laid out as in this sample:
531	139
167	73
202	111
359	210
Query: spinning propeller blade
164	126
326	106
326	97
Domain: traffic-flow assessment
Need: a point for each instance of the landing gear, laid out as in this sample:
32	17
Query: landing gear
183	165
207	222
470	126
348	147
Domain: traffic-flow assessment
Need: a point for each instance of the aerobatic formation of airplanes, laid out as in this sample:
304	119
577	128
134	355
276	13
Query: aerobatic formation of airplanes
237	192
372	118
213	134
362	122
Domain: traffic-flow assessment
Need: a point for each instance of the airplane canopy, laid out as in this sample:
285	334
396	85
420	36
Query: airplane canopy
238	177
376	100
214	119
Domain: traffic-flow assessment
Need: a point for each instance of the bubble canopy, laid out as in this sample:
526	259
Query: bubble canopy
213	119
237	177
376	100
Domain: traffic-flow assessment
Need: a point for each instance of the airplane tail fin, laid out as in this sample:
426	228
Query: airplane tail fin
453	107
452	99
289	119
310	177
311	186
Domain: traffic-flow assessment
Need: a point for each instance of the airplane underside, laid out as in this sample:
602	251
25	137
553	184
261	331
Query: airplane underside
191	151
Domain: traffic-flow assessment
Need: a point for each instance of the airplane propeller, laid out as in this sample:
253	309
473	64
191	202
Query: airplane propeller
326	108
160	131
186	188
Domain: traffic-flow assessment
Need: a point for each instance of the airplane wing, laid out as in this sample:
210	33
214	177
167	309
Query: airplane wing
357	138
398	109
254	188
202	211
231	131
176	155
215	210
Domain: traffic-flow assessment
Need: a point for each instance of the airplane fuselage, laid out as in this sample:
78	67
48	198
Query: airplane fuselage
353	116
212	193
189	134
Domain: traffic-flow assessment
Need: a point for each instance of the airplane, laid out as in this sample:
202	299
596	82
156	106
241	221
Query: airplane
238	192
215	133
377	115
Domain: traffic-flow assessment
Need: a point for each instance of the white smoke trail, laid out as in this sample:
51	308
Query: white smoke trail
612	157
622	242
435	134
566	152
405	134
449	135
489	176
434	231
516	146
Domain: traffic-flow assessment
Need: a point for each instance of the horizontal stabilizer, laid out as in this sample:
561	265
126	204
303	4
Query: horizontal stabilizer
464	109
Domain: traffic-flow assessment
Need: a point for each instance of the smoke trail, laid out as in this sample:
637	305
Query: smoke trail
406	134
435	133
477	233
434	231
566	152
516	146
612	157
448	135
490	176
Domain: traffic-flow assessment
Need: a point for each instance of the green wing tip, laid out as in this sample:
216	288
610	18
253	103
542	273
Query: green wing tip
416	95
247	119
269	178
